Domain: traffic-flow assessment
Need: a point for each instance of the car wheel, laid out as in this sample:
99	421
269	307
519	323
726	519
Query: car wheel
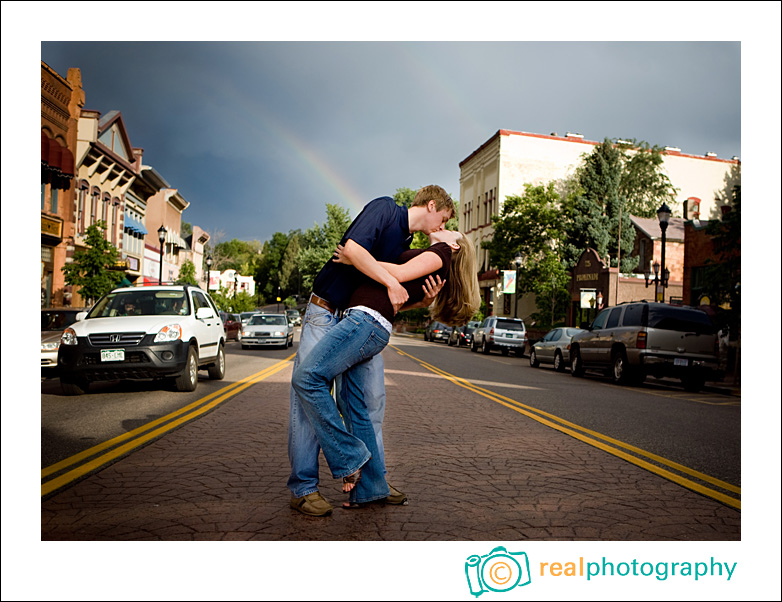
239	337
485	347
450	342
620	371
505	351
576	365
217	372
520	352
245	346
188	380
533	359
559	362
72	386
473	347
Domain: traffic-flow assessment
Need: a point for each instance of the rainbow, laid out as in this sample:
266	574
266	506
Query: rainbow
256	116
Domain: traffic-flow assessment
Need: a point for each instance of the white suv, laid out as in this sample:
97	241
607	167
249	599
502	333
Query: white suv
151	332
498	332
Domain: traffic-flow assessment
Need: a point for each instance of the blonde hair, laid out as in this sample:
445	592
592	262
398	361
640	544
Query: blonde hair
459	298
434	193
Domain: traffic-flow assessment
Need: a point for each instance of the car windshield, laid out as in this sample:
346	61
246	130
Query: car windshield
261	320
246	315
680	320
510	325
141	303
57	320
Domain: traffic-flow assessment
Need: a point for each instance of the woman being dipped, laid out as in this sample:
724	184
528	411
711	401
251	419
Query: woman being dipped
348	441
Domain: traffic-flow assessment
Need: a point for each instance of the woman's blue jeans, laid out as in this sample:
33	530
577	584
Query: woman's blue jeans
350	443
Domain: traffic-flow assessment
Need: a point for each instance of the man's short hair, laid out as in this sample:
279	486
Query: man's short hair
435	193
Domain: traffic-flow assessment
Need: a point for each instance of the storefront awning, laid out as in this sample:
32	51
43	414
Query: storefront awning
56	157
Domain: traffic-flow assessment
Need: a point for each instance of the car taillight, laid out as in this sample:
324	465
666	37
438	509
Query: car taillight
640	341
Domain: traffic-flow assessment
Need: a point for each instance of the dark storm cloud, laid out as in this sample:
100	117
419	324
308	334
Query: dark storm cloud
259	136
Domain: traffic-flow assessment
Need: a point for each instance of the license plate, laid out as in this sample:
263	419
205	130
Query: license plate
509	335
112	355
678	361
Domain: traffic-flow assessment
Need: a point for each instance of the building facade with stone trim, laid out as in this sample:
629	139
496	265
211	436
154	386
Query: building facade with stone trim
509	160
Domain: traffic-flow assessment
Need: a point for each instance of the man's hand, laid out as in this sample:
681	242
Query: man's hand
398	295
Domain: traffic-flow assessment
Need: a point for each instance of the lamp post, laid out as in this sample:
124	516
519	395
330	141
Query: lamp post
659	279
161	236
208	270
663	215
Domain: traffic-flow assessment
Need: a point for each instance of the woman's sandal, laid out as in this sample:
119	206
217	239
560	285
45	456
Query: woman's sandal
349	482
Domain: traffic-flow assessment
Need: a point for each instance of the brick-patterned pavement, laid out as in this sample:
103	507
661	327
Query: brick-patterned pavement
473	470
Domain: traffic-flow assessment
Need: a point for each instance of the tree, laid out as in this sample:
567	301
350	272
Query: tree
267	274
616	180
91	269
722	276
318	243
187	273
290	275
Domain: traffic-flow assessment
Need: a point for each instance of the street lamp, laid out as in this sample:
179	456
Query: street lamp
517	261
664	215
657	279
161	236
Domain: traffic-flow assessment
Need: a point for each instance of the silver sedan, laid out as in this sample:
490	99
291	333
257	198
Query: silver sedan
553	348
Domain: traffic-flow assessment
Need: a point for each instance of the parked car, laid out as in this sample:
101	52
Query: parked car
267	329
462	336
246	315
553	348
232	325
633	340
498	332
294	316
152	332
53	322
437	331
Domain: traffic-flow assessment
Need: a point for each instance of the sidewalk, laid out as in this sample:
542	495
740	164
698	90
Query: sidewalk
473	470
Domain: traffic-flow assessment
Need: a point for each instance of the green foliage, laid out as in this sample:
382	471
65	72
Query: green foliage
226	300
549	281
235	254
318	243
722	276
268	272
89	270
187	273
615	181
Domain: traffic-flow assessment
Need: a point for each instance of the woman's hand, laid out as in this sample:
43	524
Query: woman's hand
431	290
339	256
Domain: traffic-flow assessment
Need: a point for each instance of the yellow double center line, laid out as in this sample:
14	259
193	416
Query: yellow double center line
138	437
596	439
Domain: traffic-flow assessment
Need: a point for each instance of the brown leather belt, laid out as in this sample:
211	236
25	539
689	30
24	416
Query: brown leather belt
321	302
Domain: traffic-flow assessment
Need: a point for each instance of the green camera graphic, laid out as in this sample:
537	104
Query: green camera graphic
497	571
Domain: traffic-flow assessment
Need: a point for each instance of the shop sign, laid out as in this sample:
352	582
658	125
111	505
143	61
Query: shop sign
588	299
51	227
508	281
132	263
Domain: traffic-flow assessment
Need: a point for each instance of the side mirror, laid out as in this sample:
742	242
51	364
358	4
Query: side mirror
204	313
586	326
81	315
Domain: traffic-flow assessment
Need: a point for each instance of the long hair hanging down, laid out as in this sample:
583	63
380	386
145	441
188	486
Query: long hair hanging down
459	298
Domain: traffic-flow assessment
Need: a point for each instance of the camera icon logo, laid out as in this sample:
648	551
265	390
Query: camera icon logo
497	571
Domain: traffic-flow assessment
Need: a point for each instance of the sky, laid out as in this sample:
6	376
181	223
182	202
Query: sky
259	136
261	113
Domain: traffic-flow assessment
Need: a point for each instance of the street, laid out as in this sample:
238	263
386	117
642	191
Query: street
502	450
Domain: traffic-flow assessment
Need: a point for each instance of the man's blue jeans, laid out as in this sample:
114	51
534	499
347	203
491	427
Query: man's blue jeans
303	446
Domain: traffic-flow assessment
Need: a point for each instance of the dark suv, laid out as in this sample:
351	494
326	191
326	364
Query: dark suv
633	340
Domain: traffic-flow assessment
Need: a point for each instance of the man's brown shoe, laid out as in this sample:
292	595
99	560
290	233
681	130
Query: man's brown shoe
312	504
396	497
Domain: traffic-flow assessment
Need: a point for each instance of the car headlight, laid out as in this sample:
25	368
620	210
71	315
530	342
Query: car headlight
279	333
69	337
246	333
50	346
170	332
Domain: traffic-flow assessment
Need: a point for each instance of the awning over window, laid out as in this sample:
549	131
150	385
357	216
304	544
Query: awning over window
56	157
173	238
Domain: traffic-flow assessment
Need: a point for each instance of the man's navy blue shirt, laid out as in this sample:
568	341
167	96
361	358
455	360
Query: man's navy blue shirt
382	228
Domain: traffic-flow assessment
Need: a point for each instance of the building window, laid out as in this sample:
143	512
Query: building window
54	200
43	197
94	206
